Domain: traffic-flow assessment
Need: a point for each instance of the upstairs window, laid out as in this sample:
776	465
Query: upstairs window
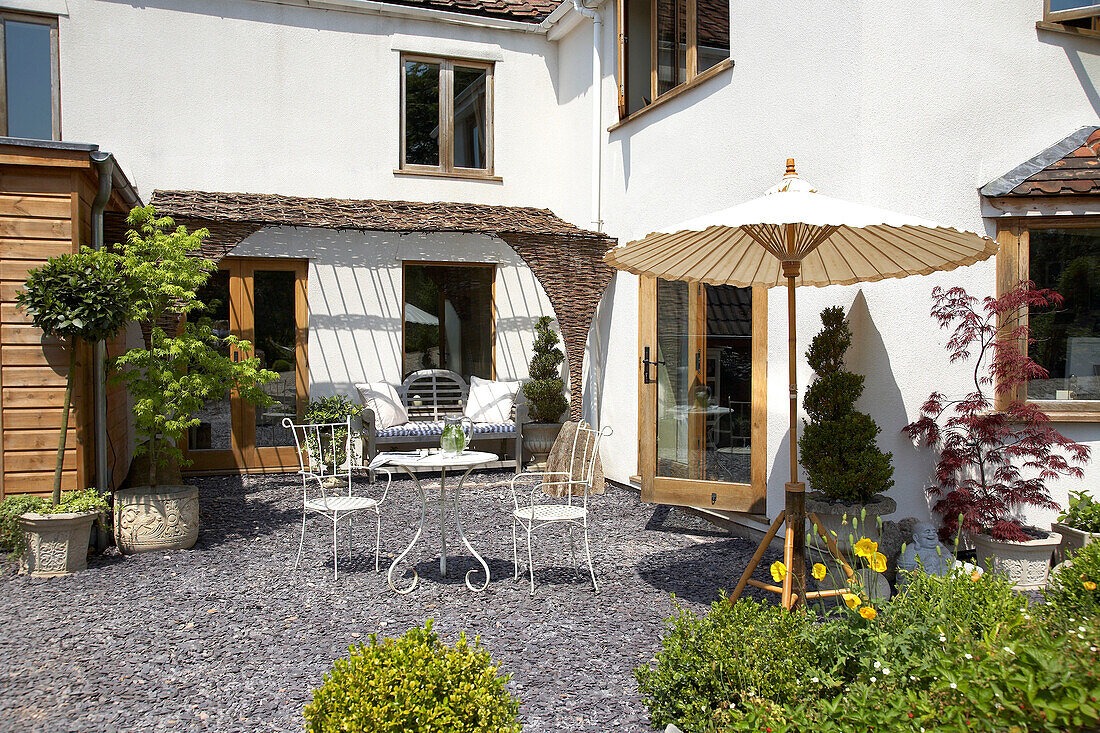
446	117
1073	13
29	76
667	44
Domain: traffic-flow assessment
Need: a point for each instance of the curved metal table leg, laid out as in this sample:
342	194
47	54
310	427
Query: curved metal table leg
443	521
419	530
458	522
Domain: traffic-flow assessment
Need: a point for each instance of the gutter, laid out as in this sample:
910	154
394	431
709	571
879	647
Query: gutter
109	175
597	107
409	12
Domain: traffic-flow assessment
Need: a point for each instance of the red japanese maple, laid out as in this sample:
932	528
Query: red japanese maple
992	462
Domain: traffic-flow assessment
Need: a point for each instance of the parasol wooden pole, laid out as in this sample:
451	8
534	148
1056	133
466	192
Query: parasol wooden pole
794	555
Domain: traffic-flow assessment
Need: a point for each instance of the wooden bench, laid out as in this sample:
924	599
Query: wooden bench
429	395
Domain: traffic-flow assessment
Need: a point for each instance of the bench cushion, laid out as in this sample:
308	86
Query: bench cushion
435	427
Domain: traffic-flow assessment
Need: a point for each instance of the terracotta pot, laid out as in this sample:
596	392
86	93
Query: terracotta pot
148	519
57	544
1026	564
837	517
538	439
1072	539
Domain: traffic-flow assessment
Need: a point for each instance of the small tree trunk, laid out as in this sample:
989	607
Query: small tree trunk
153	436
64	425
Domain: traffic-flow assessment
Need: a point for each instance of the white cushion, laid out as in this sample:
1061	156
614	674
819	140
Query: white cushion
383	399
490	401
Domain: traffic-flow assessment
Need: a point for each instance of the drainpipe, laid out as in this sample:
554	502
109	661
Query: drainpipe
597	108
105	166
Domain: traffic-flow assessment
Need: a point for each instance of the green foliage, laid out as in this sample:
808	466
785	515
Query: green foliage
544	391
11	508
838	448
281	365
331	409
1083	512
734	656
1074	588
174	376
82	296
414	683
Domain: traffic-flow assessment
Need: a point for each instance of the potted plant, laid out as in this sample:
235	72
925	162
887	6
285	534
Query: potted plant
1079	524
172	377
544	393
76	298
847	471
994	462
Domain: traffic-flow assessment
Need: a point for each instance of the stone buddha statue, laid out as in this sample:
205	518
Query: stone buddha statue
926	552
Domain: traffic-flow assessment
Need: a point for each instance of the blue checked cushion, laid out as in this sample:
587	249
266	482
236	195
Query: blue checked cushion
435	427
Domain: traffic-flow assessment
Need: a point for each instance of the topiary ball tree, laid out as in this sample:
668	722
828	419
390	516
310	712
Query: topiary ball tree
544	390
838	446
76	297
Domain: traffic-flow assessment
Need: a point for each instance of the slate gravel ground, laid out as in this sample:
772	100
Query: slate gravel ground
229	637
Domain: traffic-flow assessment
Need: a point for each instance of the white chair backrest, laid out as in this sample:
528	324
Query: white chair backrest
323	449
431	394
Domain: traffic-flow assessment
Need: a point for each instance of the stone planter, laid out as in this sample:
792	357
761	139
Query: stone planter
834	514
1072	539
1027	564
162	518
538	440
57	544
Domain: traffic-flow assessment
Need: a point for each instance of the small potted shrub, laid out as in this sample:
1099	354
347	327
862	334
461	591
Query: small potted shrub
848	472
333	409
414	683
1079	524
544	393
171	378
80	297
992	463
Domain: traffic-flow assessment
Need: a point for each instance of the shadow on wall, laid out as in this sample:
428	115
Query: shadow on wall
1074	48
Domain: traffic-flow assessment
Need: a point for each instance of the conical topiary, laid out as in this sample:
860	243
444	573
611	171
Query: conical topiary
544	390
838	446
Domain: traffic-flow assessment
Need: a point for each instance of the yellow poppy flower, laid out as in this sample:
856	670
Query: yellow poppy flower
779	571
1090	585
851	600
877	561
866	548
868	613
818	571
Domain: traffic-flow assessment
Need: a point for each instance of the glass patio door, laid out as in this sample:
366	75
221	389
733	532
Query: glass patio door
702	395
263	302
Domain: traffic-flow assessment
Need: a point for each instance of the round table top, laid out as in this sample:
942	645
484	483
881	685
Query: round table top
465	459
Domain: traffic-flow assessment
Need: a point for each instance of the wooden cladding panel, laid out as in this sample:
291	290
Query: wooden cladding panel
32	206
40	482
23	461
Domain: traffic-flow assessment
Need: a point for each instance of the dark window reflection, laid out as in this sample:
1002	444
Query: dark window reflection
421	113
449	319
469	130
29	80
712	32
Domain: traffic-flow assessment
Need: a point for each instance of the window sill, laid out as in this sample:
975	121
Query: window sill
1070	410
1070	30
710	73
468	176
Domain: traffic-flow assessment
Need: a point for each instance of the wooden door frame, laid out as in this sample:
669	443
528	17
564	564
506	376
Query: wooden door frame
749	498
243	455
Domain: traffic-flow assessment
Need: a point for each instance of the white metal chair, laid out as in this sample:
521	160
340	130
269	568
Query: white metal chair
325	459
577	485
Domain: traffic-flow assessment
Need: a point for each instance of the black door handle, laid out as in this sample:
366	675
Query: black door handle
647	379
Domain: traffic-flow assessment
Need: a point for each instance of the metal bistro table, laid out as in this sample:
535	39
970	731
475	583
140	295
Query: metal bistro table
468	460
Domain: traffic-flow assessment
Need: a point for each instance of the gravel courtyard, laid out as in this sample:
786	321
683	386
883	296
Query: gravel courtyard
229	637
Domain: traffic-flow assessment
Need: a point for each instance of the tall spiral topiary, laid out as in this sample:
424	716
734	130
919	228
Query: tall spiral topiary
545	388
838	446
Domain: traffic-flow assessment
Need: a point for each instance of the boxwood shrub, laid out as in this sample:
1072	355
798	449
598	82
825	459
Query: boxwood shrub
414	683
1074	588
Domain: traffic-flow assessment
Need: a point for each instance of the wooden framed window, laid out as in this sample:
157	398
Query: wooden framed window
446	117
30	99
666	46
1061	253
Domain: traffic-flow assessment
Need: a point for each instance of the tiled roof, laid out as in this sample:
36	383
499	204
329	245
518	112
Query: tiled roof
526	11
391	216
1067	168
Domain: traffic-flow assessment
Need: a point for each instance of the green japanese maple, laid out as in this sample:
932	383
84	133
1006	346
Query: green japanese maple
76	297
176	374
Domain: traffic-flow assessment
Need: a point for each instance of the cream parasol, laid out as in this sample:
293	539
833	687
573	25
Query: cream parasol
793	235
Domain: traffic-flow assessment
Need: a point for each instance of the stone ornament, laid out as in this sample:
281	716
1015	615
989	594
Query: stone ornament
57	544
164	519
926	552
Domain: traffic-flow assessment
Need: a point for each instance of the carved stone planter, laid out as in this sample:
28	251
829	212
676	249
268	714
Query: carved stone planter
538	439
162	518
57	544
1027	564
1072	539
837	517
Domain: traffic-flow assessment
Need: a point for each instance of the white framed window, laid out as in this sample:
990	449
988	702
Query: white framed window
30	104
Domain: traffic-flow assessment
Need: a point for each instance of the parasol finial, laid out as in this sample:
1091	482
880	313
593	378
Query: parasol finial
790	167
